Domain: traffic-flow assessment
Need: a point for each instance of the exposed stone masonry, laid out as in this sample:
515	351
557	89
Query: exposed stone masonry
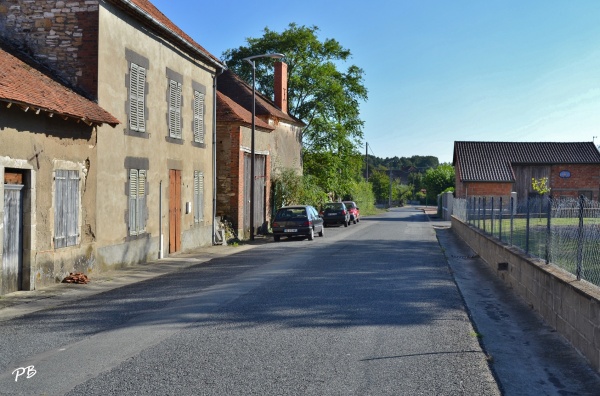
61	35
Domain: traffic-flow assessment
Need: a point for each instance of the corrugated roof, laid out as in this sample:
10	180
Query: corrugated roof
232	86
492	161
24	85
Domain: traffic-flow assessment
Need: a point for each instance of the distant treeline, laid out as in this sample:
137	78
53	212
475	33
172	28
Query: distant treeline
421	163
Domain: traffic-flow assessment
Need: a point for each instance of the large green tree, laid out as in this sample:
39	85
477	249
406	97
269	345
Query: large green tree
437	180
320	93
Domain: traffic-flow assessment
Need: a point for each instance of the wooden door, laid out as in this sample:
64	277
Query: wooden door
174	210
259	193
12	247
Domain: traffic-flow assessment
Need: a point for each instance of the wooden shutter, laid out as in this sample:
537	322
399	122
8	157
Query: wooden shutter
198	117
66	208
72	207
141	202
133	195
60	226
198	196
174	109
137	86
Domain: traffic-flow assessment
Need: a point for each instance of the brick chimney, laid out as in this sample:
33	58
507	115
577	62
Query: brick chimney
281	86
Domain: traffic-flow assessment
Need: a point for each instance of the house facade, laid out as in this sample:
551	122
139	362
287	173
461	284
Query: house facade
499	168
152	189
278	146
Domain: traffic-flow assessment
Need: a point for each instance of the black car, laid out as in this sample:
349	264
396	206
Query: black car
335	213
297	220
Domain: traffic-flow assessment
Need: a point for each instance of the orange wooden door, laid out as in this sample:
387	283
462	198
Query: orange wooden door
174	210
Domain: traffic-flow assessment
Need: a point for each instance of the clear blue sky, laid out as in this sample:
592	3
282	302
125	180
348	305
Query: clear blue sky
440	70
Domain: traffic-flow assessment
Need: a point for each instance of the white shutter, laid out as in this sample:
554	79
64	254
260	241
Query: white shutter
198	117
174	109
141	201
72	208
137	86
60	226
198	196
133	195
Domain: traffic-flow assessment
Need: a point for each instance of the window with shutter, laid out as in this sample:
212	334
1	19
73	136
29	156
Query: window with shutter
198	196
137	87
137	201
198	117
174	109
66	208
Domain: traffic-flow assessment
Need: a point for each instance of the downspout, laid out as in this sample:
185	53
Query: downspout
214	152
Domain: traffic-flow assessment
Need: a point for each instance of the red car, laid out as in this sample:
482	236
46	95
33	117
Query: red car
354	212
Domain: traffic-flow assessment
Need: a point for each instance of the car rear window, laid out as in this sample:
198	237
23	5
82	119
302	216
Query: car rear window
291	214
349	205
333	206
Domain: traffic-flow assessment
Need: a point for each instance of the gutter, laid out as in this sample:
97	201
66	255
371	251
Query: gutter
214	152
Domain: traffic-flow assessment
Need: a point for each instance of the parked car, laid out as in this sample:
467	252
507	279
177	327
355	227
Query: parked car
335	213
298	220
354	212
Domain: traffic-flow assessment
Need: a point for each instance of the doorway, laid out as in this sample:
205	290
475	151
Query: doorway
174	210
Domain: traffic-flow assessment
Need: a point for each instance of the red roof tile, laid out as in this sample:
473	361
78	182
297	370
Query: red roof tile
22	84
147	9
232	86
230	111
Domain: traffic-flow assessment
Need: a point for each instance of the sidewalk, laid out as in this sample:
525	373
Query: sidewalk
21	303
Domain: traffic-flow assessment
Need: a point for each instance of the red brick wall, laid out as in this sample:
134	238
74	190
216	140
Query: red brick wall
485	189
61	35
584	177
229	169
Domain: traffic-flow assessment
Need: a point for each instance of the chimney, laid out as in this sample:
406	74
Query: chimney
281	86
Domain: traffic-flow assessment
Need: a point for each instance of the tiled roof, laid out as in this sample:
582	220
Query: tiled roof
492	161
230	111
232	86
146	9
25	86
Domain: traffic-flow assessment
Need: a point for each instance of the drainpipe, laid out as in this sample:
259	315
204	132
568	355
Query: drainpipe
161	253
214	152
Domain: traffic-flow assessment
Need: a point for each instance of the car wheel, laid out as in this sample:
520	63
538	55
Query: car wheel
354	222
276	238
322	232
311	236
345	224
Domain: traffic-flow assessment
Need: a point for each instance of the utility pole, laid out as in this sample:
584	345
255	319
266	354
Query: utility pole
390	202
367	158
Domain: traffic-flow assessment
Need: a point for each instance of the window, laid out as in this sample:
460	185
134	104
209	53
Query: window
137	86
66	208
198	196
198	117
137	201
174	109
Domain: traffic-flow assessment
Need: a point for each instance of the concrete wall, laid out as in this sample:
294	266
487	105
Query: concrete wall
38	145
571	307
120	39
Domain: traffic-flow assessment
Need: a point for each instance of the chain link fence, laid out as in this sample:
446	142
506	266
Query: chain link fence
562	231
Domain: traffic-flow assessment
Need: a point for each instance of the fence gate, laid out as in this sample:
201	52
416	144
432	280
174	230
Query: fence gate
259	193
12	251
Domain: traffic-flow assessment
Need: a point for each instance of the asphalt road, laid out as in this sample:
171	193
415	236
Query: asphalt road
371	309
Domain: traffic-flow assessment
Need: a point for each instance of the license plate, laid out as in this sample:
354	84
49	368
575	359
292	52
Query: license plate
290	230
332	214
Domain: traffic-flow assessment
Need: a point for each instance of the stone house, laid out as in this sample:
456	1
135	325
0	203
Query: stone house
148	191
499	168
278	146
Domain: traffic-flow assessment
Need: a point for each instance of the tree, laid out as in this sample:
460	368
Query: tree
319	93
438	180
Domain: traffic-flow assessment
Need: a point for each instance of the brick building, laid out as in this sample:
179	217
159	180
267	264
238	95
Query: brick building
278	146
499	168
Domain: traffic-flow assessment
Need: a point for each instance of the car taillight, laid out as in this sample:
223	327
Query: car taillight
307	224
343	212
275	225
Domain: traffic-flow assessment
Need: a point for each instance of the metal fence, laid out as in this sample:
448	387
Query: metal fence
562	231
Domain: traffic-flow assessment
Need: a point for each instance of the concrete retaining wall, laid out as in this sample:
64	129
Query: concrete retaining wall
571	307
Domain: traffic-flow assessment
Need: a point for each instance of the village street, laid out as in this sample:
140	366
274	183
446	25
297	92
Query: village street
377	308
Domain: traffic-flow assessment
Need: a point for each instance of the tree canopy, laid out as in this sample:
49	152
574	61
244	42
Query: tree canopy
320	94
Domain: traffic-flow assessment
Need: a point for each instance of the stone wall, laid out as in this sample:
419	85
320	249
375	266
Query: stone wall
61	35
571	307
